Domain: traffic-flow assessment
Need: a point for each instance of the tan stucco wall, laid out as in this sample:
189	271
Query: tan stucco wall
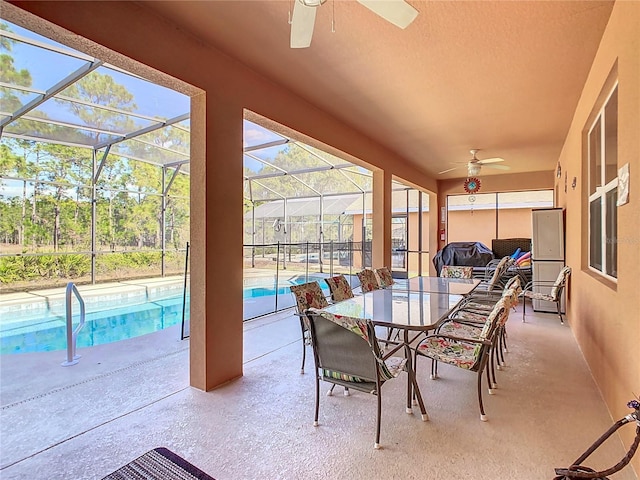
480	225
604	316
381	213
490	184
227	87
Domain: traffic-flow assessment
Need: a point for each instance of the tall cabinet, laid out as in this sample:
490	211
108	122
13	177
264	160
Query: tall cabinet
547	253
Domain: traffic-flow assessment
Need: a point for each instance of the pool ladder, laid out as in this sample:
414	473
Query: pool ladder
72	335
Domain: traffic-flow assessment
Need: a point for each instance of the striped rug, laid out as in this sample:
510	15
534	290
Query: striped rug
158	464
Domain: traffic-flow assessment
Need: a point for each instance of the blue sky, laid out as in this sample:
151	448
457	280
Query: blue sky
47	68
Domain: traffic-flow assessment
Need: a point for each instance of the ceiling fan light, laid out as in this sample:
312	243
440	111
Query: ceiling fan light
312	3
473	169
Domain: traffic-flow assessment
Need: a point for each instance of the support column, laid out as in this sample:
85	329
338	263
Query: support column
435	224
163	222
216	242
94	214
381	245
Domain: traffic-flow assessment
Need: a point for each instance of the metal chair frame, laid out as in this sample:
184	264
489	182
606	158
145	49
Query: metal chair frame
499	346
301	312
560	284
482	357
336	349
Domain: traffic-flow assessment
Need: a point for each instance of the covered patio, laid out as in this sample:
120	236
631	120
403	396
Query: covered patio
126	398
526	81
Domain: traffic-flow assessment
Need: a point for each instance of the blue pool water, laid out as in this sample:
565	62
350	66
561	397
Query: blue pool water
48	333
263	291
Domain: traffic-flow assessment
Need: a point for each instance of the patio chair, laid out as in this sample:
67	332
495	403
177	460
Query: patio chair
385	279
368	280
484	303
454	271
307	295
496	278
486	300
346	353
469	324
471	354
339	288
554	296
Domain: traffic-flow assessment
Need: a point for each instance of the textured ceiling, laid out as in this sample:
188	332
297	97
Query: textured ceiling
501	76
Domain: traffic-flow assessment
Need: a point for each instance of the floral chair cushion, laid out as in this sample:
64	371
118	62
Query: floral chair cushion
471	316
309	295
554	294
368	280
451	271
514	283
539	296
515	292
498	272
384	275
460	354
387	369
503	263
458	329
483	312
495	318
479	307
511	292
339	288
511	296
560	282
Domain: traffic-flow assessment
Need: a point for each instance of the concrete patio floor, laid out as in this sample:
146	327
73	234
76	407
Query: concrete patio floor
125	398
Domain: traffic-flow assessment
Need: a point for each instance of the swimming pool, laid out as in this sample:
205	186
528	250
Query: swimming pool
50	333
42	331
262	287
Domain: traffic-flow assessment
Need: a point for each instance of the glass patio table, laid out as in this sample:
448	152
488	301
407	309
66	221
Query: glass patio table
404	309
407	311
457	286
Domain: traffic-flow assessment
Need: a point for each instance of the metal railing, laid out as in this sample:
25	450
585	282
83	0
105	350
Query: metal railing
185	334
280	265
72	334
271	268
86	266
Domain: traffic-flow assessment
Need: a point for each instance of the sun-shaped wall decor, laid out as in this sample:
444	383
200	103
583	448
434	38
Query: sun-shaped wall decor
472	185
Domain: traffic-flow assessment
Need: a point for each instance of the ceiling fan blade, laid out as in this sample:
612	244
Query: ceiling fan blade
491	160
398	12
497	167
448	170
302	23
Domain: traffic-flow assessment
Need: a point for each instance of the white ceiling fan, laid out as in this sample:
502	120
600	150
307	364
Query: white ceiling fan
398	12
474	165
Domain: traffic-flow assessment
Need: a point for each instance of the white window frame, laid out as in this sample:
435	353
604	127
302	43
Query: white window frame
601	192
496	206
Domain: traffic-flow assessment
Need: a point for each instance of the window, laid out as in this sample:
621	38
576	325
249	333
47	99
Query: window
602	156
485	216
